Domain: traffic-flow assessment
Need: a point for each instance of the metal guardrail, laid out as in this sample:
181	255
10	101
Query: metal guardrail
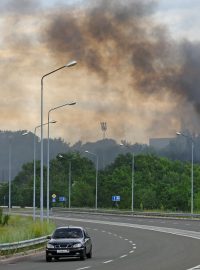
129	213
22	244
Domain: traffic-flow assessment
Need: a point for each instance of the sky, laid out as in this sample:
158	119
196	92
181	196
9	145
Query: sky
137	67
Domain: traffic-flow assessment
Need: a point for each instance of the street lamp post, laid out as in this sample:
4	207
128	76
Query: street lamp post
53	109
70	64
132	177
69	181
9	172
192	169
97	162
34	163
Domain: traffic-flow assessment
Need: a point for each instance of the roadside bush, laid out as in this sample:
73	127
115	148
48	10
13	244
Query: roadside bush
3	218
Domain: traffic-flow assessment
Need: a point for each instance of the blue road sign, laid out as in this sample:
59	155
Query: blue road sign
53	199
116	198
62	199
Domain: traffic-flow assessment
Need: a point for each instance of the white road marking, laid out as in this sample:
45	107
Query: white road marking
86	267
123	256
196	267
108	261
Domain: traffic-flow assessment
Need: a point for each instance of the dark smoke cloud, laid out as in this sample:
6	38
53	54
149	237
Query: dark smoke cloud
107	32
119	43
99	34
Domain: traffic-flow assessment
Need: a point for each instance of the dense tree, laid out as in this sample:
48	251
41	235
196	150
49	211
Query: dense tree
159	183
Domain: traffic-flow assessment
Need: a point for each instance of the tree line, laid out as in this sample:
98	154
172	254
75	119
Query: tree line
159	183
179	148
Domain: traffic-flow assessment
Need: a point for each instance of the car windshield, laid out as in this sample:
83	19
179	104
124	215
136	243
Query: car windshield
68	233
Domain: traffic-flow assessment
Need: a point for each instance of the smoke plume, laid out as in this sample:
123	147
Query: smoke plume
130	71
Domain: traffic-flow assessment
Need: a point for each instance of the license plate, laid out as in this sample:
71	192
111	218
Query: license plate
63	251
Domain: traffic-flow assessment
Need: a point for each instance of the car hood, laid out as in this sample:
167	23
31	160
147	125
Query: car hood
65	240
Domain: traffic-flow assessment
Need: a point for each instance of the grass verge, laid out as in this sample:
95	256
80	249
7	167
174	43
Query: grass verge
23	228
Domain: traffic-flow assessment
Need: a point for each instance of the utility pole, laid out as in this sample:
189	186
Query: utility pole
103	128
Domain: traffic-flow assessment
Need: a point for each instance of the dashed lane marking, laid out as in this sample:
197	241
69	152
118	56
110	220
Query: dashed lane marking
86	267
108	261
123	256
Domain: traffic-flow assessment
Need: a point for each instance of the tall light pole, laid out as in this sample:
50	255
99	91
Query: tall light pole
70	64
69	181
34	163
97	161
9	172
52	109
192	168
132	177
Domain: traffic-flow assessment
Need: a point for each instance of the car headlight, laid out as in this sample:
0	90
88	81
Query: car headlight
50	245
78	245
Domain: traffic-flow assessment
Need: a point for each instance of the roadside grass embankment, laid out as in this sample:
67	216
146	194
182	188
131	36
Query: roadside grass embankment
21	228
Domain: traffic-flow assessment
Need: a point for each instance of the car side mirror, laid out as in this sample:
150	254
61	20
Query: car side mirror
49	237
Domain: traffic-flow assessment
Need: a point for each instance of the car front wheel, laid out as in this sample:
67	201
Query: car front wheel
89	255
48	259
83	255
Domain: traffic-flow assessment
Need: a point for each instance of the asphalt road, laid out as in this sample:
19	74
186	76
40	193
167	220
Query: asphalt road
128	243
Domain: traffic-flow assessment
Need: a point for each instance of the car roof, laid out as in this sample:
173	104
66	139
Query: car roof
69	227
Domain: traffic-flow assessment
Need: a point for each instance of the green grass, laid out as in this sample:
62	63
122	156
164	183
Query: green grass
23	228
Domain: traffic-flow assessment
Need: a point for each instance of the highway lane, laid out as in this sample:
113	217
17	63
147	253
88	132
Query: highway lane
122	247
179	223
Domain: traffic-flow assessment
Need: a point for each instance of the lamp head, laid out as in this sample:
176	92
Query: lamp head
178	133
71	64
25	133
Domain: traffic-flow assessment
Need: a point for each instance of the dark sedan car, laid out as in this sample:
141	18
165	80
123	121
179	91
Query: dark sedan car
69	242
